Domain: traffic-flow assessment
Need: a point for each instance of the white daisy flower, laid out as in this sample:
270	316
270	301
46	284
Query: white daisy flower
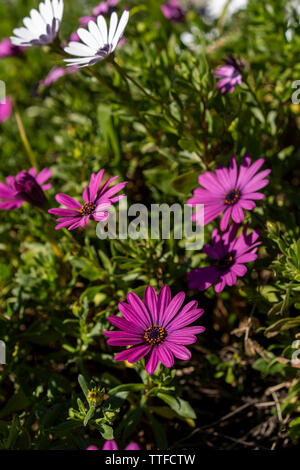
97	42
42	26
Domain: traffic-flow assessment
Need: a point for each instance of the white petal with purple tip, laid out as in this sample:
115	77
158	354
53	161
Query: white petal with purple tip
97	43
41	26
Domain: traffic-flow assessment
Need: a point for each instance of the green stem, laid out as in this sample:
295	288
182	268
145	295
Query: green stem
128	77
140	87
253	94
98	77
25	140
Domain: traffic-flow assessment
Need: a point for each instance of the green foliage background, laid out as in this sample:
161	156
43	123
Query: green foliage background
57	288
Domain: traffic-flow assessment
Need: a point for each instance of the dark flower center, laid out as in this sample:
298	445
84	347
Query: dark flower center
47	38
88	208
101	54
226	262
232	197
155	334
29	189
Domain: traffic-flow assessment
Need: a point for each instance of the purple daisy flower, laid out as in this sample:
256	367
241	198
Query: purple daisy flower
5	109
172	11
112	445
229	191
96	203
7	49
230	254
155	328
230	75
27	186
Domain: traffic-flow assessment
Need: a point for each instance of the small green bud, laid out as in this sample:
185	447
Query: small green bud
95	396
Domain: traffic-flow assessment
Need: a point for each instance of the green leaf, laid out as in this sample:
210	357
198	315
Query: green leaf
182	407
89	415
83	385
132	421
283	325
17	402
294	429
127	387
158	430
185	183
106	431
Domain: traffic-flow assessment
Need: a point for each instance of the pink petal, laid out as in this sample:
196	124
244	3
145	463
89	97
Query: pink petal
181	352
125	325
237	213
153	361
165	355
164	299
132	446
110	445
139	307
67	201
172	308
132	316
134	354
151	300
44	175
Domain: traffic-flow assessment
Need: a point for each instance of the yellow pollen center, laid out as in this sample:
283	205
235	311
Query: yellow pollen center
88	208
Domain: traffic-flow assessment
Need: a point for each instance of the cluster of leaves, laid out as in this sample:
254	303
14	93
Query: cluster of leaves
58	289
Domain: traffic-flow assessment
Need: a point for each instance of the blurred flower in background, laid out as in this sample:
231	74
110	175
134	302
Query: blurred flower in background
230	75
56	73
112	445
84	20
216	7
229	254
173	11
5	109
27	186
105	7
7	49
230	191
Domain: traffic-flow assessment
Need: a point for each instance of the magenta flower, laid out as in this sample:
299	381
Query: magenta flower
172	11
229	191
84	20
112	445
230	254
96	203
56	73
7	49
74	37
155	328
5	109
105	7
230	75
27	186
